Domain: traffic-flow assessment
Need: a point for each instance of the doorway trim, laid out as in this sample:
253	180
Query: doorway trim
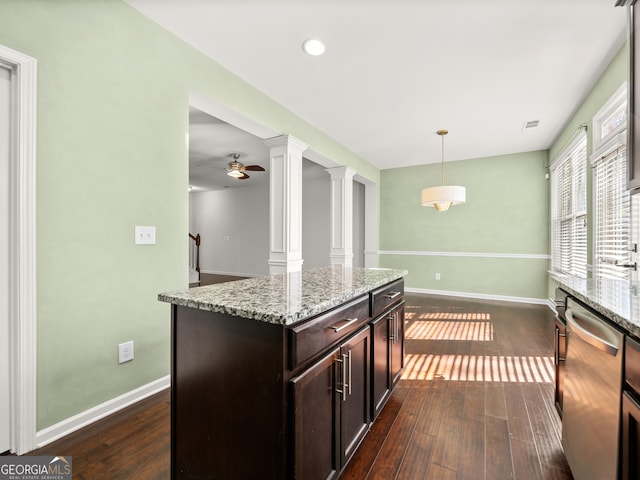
22	249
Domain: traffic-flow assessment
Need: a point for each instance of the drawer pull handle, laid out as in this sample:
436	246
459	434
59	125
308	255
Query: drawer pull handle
344	368
394	336
349	384
392	295
347	322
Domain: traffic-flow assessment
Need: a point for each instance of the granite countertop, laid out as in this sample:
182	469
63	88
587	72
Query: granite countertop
285	298
617	300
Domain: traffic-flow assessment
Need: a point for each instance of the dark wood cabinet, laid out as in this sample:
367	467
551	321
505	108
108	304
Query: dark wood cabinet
387	356
630	441
630	437
354	393
252	399
560	352
331	409
316	420
633	101
380	378
396	343
226	394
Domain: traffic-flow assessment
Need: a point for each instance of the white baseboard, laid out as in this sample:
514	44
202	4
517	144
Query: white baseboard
231	274
71	424
481	296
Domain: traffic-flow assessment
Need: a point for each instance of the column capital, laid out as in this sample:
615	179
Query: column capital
341	172
288	141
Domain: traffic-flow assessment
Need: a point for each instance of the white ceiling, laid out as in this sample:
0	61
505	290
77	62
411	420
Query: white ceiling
395	71
211	144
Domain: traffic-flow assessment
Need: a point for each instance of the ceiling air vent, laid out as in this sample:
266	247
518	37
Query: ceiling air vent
530	124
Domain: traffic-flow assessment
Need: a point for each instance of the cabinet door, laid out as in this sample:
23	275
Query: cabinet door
315	416
354	399
633	108
396	340
630	438
380	378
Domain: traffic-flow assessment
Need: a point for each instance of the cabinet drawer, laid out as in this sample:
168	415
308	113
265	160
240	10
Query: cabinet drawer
386	296
314	336
632	364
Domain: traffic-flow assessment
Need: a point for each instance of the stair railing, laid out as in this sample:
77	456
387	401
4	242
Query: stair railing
194	253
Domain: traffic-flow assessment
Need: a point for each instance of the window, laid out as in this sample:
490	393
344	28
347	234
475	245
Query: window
612	214
569	209
611	201
611	119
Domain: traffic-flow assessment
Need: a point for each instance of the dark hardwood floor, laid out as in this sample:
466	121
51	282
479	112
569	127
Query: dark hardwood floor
130	444
212	278
475	402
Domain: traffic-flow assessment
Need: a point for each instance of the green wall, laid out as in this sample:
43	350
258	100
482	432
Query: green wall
113	91
613	77
506	212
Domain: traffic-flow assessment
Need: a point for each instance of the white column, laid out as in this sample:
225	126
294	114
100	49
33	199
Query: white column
341	215
285	203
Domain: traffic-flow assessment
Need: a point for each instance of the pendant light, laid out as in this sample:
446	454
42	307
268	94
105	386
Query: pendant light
443	196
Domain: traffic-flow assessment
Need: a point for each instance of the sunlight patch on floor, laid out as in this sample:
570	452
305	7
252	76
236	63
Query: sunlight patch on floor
478	368
477	331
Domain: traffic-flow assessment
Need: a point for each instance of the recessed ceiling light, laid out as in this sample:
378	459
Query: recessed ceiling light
313	47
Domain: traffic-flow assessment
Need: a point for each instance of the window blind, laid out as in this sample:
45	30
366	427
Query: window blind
612	215
569	210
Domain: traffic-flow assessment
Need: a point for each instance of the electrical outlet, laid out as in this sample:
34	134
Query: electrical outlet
125	352
437	276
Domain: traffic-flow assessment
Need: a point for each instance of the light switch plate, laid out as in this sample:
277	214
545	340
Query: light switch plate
145	235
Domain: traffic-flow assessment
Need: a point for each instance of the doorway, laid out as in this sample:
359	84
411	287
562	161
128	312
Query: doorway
5	116
18	108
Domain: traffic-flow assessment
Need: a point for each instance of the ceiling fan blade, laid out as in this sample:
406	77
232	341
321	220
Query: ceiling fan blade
243	177
255	168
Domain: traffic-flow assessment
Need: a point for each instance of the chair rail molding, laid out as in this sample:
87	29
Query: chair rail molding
22	249
531	256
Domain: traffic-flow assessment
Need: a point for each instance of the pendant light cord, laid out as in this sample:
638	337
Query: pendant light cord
442	135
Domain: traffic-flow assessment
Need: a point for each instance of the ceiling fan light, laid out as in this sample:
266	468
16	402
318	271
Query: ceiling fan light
235	173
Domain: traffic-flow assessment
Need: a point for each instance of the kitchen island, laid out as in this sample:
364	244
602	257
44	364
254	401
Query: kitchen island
282	376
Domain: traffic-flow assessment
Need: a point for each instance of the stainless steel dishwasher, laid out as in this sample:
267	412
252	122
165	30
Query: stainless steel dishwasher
593	383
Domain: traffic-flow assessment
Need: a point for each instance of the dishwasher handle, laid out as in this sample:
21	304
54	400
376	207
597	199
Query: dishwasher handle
590	338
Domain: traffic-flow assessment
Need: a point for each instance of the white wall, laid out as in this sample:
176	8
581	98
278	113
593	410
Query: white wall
316	219
234	228
358	224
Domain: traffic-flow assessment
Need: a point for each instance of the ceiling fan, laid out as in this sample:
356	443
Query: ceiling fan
237	169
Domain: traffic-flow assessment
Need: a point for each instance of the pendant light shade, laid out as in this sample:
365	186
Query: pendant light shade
443	196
